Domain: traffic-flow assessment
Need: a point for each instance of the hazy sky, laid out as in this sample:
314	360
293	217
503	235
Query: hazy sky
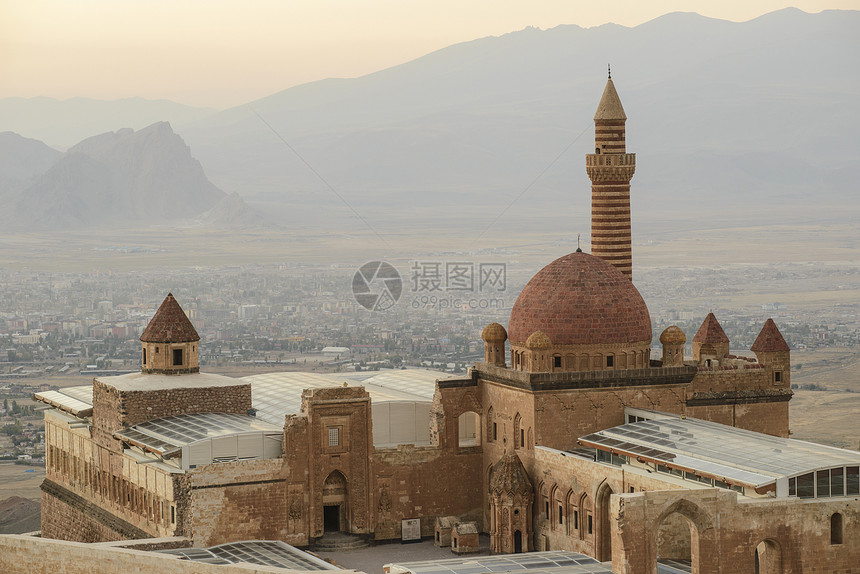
221	53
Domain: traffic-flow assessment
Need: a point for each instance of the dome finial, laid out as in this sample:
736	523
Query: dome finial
609	69
578	248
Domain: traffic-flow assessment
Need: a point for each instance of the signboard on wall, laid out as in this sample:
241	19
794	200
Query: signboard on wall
410	530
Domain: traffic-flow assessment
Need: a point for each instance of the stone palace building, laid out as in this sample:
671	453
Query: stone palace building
568	436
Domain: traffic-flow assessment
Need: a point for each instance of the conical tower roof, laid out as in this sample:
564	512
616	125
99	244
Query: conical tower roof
170	325
610	107
769	339
509	476
710	331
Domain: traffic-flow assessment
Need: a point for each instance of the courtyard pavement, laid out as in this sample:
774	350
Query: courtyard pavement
373	558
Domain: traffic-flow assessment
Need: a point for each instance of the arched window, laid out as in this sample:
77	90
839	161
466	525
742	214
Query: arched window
519	439
586	517
836	529
558	508
469	429
572	513
544	502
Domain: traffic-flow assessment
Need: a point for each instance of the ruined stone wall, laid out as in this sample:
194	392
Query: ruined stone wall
727	530
245	500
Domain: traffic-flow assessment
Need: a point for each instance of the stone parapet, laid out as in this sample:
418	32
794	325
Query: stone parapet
585	379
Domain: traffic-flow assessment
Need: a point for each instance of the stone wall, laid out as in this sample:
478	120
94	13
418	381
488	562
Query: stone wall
795	534
244	500
66	516
140	495
30	555
114	409
572	500
743	397
425	483
564	416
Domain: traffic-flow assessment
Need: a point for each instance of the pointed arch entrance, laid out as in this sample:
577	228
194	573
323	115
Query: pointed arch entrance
679	535
335	507
768	557
603	539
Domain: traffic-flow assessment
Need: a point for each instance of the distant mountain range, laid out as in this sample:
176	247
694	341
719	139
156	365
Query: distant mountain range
753	120
116	179
63	123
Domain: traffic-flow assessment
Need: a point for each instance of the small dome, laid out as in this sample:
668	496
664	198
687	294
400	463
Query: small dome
509	476
494	333
580	299
673	335
538	340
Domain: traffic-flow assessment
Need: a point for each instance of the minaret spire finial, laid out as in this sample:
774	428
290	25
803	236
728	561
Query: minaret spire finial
609	69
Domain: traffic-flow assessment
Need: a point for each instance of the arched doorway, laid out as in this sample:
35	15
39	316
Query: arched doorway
518	542
604	523
335	507
675	540
768	558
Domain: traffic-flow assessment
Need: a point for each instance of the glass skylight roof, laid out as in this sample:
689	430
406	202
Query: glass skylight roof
552	562
275	395
260	552
718	450
164	435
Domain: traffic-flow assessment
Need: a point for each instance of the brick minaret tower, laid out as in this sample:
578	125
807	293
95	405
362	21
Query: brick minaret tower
610	169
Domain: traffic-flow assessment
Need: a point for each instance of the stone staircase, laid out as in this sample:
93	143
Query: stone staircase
338	542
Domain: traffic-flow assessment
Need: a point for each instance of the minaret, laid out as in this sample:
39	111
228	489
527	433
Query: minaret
610	169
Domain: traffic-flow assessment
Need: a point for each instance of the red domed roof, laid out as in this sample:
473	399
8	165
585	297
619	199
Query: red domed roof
580	299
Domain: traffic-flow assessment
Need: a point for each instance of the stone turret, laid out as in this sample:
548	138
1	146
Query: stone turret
511	498
494	337
773	352
673	340
710	341
610	169
170	342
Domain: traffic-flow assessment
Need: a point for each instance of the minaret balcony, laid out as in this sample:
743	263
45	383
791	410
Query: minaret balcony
610	159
